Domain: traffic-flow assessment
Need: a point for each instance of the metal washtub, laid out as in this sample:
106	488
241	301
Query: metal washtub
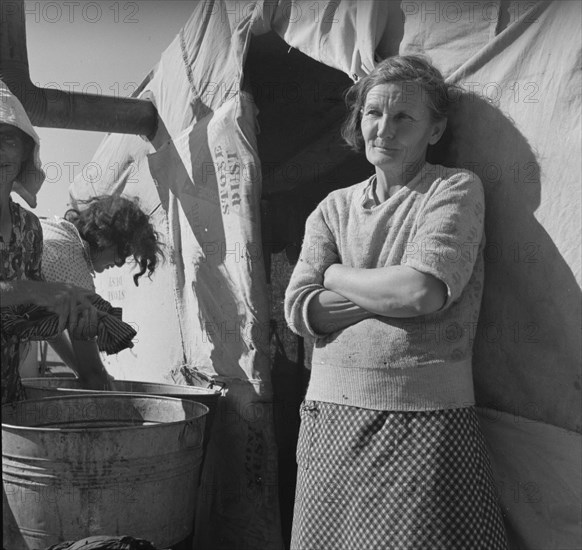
100	464
37	388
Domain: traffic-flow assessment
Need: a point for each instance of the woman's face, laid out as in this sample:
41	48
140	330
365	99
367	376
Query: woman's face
397	127
106	257
12	152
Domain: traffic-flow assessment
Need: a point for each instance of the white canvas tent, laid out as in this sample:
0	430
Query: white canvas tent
249	100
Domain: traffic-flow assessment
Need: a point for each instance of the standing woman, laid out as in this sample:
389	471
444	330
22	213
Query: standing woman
389	283
104	234
21	243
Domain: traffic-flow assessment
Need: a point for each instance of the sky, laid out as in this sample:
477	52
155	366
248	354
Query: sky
103	46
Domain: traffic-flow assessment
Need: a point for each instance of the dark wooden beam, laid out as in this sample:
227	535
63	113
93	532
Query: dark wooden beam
53	108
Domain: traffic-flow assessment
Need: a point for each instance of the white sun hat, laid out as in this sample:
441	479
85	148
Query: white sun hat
31	176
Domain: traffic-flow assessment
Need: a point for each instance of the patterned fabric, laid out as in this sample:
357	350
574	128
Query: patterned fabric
19	259
65	256
31	322
393	480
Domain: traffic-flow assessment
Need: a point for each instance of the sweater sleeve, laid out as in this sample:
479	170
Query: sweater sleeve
449	234
318	252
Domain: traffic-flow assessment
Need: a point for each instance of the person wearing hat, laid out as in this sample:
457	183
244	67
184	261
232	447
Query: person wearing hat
21	282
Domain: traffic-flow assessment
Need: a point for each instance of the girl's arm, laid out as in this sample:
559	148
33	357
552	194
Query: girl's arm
83	357
67	301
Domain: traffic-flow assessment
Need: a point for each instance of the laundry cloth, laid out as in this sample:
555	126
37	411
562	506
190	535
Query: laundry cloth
105	543
30	322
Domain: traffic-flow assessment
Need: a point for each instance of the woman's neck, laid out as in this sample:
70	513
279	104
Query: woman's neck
389	183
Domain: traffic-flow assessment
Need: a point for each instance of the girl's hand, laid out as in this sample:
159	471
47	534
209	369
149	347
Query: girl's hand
86	327
96	381
67	301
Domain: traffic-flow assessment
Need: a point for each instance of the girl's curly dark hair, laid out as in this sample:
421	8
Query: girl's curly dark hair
116	220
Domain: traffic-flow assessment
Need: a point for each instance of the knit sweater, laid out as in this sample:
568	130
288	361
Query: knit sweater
434	224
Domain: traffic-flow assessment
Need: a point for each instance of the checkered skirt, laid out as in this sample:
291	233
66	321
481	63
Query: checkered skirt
371	480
